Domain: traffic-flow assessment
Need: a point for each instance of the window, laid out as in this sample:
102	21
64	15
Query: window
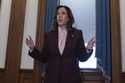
90	63
85	19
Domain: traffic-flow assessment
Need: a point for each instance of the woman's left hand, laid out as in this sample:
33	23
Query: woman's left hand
91	43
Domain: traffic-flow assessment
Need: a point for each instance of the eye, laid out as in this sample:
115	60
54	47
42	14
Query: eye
63	12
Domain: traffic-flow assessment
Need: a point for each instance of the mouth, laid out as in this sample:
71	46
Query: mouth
59	20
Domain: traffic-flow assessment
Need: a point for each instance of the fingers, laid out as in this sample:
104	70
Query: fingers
29	37
26	39
90	44
29	42
92	41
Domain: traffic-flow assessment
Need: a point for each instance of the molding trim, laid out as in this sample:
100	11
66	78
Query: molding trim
15	37
115	37
122	77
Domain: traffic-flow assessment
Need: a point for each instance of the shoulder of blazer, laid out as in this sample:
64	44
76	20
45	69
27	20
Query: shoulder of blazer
72	30
49	33
76	31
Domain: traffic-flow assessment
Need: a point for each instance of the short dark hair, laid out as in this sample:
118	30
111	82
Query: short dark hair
69	13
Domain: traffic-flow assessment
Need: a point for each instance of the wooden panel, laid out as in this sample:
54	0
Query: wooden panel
123	77
93	82
115	37
15	40
26	76
1	75
39	37
92	77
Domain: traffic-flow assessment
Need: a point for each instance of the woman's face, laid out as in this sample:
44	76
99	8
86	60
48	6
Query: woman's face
62	17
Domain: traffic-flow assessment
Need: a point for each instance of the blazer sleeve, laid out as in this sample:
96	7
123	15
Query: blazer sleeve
41	55
83	55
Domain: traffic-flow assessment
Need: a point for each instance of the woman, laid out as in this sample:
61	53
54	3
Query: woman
62	50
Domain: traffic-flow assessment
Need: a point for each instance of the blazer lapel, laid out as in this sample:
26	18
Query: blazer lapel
55	41
69	40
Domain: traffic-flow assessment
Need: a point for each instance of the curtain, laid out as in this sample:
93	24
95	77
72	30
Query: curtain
103	38
48	21
49	14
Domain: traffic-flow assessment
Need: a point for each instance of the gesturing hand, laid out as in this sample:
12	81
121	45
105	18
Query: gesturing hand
30	42
91	43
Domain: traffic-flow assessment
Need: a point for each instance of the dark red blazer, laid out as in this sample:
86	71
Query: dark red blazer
62	68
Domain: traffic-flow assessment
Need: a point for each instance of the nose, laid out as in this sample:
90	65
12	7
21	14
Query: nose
59	15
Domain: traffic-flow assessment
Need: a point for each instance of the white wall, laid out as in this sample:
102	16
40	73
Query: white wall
4	27
122	17
30	27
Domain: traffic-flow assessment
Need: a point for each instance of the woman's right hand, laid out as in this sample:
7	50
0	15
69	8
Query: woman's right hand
30	43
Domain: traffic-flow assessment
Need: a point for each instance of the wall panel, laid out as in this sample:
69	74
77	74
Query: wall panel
30	27
122	23
4	28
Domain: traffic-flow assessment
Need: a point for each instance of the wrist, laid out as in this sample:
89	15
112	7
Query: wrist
31	49
89	50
